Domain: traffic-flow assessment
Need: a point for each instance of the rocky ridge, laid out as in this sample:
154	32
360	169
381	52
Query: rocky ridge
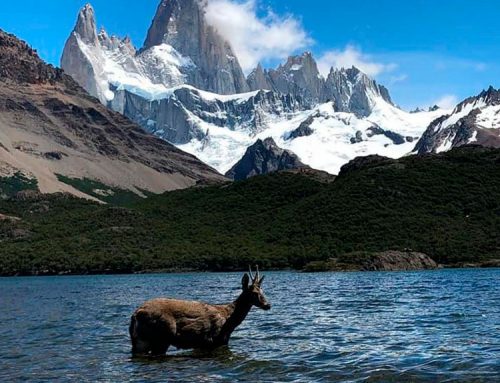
476	120
264	157
50	126
351	90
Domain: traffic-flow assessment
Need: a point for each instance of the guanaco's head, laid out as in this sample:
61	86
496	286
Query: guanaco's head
252	290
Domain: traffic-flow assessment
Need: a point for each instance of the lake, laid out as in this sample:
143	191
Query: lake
356	327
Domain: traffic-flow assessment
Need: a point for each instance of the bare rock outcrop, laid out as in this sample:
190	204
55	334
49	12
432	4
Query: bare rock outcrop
379	261
264	157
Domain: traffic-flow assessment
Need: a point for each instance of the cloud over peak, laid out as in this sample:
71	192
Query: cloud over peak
447	101
256	38
352	56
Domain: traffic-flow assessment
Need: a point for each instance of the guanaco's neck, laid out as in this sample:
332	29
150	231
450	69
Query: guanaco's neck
237	312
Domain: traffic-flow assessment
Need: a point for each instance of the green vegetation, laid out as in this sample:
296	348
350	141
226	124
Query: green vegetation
447	206
102	192
9	186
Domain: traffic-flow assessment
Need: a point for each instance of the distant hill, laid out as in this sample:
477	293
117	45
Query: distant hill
445	205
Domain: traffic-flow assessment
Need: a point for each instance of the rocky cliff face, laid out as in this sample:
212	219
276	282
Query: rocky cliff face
258	79
186	113
50	126
181	48
354	92
299	76
182	25
474	121
76	62
262	158
351	90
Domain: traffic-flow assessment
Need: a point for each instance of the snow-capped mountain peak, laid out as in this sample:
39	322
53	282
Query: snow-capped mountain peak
185	86
475	120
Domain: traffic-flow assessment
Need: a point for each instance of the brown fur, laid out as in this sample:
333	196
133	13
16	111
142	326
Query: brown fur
161	323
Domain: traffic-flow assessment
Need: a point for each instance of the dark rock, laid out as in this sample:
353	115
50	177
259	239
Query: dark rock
56	156
383	261
417	110
358	138
434	108
396	138
304	129
19	63
399	261
264	157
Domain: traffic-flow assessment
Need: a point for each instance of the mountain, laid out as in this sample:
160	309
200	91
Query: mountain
476	120
180	48
323	138
444	205
185	114
264	157
164	88
351	90
182	25
354	92
53	132
298	76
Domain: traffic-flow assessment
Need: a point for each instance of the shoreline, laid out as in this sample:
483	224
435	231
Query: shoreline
481	265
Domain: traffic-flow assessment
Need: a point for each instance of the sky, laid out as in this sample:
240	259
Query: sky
424	51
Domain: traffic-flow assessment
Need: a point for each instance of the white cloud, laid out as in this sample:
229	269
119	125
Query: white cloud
398	78
255	38
448	101
352	56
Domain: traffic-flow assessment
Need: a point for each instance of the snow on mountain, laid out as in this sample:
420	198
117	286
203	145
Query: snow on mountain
474	121
335	137
50	127
107	63
168	86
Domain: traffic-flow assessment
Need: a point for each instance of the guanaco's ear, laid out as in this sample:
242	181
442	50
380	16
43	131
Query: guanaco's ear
245	281
261	280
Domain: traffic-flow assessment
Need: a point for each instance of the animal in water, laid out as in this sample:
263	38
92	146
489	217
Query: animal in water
161	323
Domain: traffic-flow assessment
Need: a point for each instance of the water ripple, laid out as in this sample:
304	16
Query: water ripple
356	327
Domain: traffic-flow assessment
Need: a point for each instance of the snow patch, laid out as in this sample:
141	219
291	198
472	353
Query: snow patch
328	148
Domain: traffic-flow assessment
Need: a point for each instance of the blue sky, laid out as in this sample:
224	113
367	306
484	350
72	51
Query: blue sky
422	50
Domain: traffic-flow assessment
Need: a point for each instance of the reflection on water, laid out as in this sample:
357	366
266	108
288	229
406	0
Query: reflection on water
358	327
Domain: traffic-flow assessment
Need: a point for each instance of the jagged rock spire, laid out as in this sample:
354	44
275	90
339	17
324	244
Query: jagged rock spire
258	80
86	25
183	25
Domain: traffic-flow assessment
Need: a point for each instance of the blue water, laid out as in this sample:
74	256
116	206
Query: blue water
359	327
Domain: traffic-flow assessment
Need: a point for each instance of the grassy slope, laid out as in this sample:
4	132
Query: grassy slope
447	206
